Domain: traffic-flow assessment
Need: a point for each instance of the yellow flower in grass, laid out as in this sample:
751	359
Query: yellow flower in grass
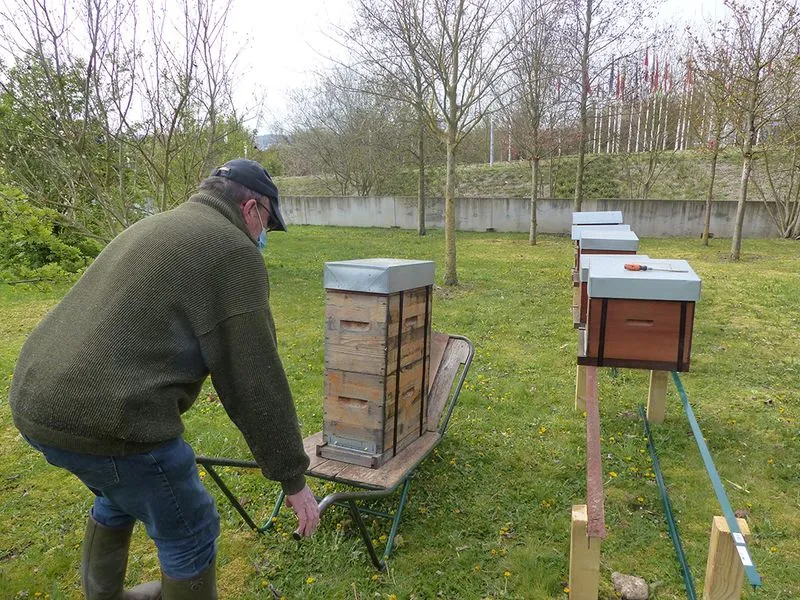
612	474
310	580
506	573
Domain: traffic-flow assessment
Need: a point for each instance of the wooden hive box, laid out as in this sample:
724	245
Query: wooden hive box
583	300
605	241
639	319
377	358
579	230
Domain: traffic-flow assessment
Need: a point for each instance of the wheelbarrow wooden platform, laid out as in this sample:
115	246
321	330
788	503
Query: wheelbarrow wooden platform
451	356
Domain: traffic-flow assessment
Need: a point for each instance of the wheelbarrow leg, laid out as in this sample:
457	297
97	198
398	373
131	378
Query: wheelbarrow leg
396	522
354	512
271	522
231	498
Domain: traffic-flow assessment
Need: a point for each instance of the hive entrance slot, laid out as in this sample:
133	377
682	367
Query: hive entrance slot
639	322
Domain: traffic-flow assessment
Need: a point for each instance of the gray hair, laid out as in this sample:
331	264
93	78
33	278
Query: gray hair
234	193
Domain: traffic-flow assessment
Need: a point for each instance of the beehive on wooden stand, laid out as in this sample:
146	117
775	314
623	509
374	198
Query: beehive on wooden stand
579	231
639	319
596	241
377	357
583	303
603	217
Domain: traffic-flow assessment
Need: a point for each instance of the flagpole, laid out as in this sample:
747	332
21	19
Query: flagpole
688	120
630	125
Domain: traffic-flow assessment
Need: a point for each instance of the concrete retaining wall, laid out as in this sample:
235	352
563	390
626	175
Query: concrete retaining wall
648	218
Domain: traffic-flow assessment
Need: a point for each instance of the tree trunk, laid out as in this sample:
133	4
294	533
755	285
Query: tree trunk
421	179
576	207
710	197
747	165
534	197
450	275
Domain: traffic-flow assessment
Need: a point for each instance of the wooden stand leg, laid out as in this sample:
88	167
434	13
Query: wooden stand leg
576	295
724	571
656	397
584	558
580	389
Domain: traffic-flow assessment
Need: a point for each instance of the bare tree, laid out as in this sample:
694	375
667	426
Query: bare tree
534	79
383	43
763	38
776	174
463	57
111	118
350	130
714	70
602	30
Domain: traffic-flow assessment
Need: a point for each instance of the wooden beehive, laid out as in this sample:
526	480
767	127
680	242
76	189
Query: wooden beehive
639	319
606	242
583	299
579	230
377	358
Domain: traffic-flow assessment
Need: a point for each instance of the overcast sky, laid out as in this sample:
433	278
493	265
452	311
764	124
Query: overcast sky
285	41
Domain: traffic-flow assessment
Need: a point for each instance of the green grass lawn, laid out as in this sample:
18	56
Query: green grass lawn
488	513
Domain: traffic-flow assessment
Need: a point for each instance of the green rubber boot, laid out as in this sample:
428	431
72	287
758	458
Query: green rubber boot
105	558
199	587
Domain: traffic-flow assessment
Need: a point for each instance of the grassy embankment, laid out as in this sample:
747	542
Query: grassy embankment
681	176
488	514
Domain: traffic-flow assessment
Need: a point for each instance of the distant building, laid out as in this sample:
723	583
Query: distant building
266	141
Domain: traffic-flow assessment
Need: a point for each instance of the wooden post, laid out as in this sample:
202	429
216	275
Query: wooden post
724	570
584	558
657	397
580	389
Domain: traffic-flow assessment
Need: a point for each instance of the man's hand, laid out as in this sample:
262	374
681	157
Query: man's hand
305	507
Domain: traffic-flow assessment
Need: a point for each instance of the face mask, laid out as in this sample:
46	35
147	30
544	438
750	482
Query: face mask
262	238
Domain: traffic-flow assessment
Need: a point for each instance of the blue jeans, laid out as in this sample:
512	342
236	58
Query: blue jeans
162	489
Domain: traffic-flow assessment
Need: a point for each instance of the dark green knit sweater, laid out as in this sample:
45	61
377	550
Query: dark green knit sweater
172	299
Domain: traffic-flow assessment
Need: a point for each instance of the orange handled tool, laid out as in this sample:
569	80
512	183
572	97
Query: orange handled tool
640	267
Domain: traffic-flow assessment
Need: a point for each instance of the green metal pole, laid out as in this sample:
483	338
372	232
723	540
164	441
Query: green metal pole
738	539
673	527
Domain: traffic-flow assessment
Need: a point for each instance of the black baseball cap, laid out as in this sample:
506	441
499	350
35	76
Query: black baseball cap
253	176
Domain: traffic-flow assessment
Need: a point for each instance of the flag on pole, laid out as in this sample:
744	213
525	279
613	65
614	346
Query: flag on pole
611	78
655	75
